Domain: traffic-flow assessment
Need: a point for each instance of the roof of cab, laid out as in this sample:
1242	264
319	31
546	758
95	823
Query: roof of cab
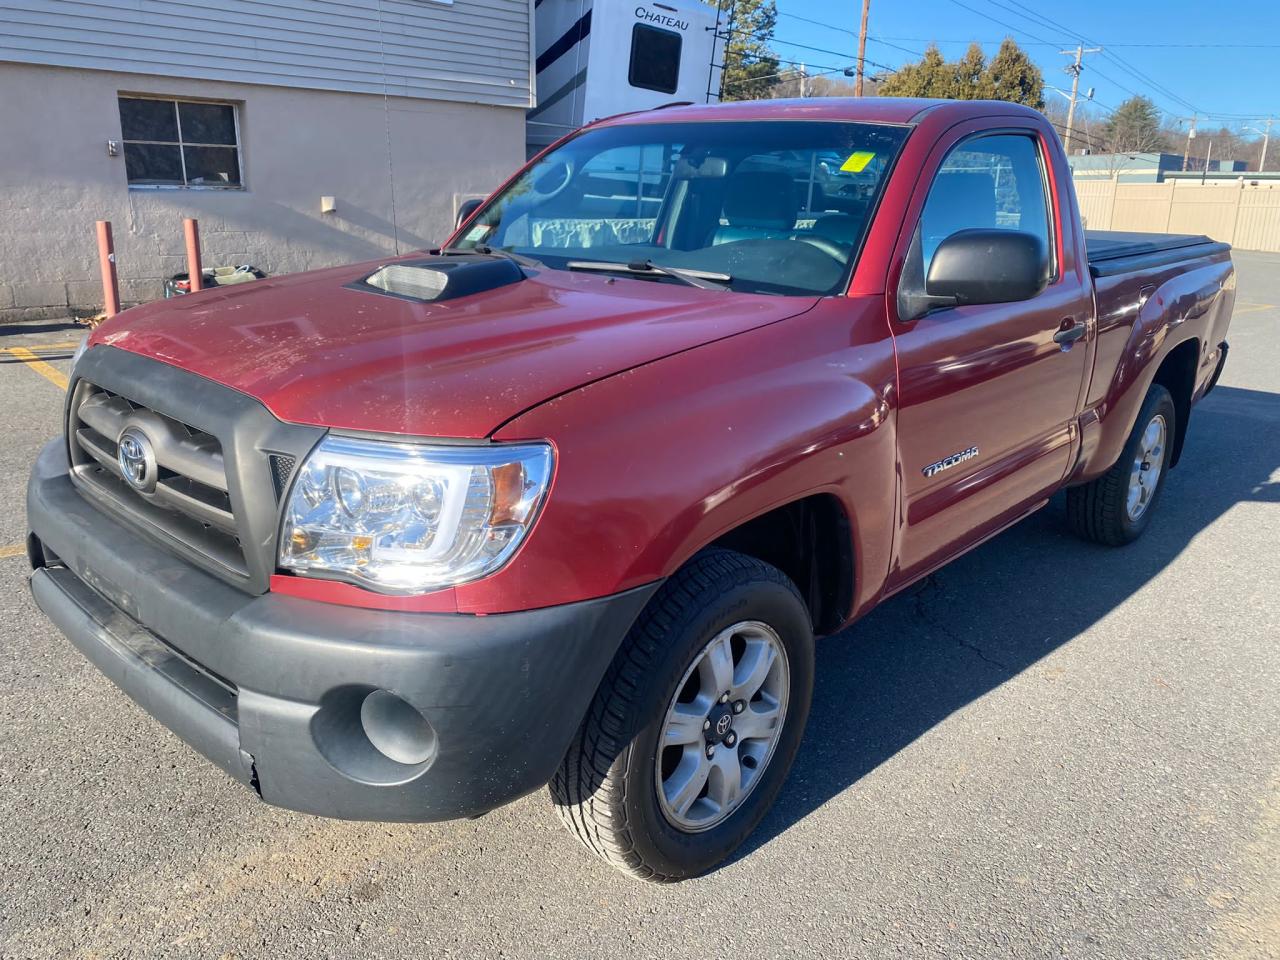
901	110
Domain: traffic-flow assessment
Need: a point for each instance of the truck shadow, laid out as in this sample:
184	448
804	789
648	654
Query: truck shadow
994	613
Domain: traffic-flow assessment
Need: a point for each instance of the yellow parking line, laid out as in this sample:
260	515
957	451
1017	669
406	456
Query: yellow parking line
38	347
1252	307
50	373
13	550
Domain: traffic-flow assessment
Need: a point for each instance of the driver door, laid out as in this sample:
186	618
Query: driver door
987	397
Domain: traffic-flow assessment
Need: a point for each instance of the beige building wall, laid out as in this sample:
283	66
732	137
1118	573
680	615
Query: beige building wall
1239	211
56	179
1096	199
1142	206
1258	223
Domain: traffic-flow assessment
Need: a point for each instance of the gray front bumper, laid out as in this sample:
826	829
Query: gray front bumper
268	687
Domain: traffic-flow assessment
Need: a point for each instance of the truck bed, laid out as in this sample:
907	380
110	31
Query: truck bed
1113	251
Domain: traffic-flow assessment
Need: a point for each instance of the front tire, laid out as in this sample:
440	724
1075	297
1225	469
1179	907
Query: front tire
696	724
1115	508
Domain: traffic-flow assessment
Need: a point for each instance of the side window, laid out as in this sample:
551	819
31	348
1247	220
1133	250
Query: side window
655	59
994	182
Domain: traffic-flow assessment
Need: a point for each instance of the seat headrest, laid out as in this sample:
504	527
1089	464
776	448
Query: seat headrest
961	200
761	198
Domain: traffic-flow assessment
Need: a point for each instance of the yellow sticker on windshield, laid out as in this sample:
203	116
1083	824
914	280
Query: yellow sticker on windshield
858	161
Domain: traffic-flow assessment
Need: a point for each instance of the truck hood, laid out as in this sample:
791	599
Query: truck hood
314	350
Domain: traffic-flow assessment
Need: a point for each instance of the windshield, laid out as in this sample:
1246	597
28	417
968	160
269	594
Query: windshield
762	206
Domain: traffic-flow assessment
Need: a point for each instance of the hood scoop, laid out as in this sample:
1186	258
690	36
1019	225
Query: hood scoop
433	279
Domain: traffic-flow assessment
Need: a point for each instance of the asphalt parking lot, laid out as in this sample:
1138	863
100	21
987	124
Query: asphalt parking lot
1047	749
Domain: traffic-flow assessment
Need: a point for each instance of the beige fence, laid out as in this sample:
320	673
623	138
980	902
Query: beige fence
1237	211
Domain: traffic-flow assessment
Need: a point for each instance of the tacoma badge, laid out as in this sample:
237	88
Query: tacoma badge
950	461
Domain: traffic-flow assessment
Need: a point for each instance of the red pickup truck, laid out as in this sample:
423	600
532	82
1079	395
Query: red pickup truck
567	500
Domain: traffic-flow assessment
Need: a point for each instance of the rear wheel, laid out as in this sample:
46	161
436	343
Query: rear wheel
1115	508
696	724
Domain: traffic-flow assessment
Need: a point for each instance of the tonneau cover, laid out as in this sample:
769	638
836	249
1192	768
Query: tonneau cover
1114	244
1114	252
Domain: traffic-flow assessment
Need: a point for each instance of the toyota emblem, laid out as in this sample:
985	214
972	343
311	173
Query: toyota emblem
137	460
723	725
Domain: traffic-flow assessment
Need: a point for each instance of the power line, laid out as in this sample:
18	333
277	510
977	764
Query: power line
1040	18
1047	43
1111	80
853	33
763	35
1042	21
1006	25
1091	140
886	43
791	74
1198	46
1075	70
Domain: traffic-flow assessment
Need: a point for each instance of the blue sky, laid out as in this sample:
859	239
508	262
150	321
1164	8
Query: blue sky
1215	62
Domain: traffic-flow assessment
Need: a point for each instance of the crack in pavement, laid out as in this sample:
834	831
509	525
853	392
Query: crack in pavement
920	599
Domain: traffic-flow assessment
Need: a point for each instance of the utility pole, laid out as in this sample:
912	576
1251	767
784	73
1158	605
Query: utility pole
1266	139
1191	135
862	48
1075	69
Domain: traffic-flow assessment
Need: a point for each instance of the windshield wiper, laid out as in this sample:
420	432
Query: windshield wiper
702	279
488	251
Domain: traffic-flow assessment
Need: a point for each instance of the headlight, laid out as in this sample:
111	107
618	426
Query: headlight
408	518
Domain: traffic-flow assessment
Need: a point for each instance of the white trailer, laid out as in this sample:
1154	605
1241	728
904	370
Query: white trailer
596	59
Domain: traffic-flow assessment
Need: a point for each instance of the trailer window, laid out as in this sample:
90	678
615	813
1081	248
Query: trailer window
655	59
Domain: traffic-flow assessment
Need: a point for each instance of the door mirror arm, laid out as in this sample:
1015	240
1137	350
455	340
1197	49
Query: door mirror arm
465	209
914	301
912	304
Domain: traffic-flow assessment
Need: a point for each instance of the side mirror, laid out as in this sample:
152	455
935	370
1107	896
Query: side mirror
465	209
987	266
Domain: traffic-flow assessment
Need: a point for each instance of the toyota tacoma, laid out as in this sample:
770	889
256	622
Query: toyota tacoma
566	501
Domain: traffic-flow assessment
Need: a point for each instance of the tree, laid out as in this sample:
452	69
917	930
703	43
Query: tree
790	84
1009	76
931	77
750	66
971	79
1227	144
1134	127
1013	77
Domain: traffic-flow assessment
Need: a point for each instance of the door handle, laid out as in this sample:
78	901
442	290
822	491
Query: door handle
1070	331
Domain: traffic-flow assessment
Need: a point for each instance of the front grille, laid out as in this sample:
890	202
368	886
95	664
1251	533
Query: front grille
190	502
216	461
281	470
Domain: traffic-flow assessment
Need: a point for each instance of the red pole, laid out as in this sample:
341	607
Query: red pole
107	260
195	276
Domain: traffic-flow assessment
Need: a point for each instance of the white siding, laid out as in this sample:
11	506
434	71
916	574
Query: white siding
470	51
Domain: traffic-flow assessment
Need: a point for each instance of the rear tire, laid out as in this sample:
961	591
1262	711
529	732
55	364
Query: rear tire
1115	508
638	805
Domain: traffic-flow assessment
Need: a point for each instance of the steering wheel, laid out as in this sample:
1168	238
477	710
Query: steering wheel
550	182
832	249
